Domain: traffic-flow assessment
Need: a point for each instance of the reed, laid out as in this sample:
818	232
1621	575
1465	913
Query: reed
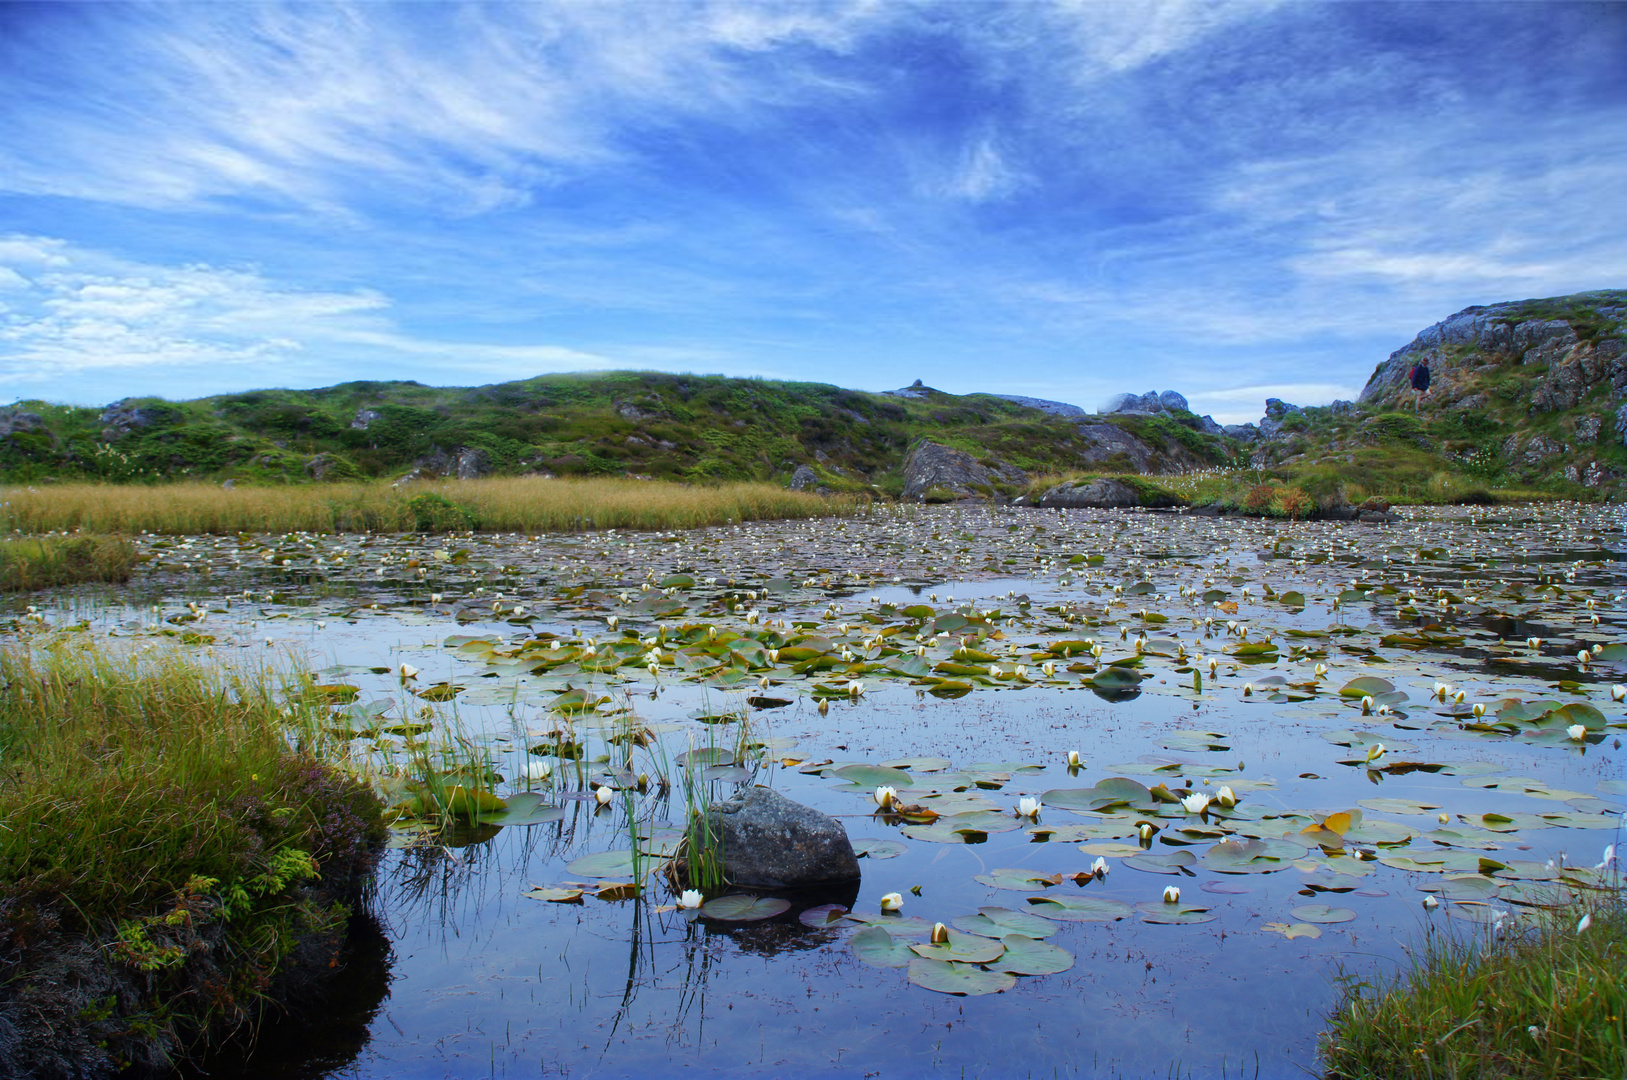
44	562
516	504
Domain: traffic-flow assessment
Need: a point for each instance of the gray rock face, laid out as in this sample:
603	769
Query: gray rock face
1597	475
804	478
1055	408
929	465
1171	401
322	466
122	417
1105	493
770	842
1587	428
1208	426
1341	407
914	390
1152	403
364	417
15	420
465	463
1242	432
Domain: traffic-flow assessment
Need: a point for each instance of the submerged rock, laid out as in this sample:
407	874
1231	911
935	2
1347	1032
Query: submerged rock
770	842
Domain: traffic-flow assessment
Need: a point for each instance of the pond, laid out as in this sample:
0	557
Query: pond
1305	729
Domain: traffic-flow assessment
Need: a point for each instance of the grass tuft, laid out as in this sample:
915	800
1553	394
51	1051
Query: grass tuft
1543	1003
48	561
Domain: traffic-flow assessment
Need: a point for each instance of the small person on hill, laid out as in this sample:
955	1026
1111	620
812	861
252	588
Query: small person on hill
1419	377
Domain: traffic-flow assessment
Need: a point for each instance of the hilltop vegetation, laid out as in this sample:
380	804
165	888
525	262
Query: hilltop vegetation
641	424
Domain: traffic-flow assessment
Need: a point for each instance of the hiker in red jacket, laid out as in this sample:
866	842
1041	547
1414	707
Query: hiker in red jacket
1419	377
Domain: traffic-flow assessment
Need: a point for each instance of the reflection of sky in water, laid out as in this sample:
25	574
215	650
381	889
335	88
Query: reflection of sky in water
486	981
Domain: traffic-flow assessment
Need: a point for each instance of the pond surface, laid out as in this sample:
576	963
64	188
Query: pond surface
950	654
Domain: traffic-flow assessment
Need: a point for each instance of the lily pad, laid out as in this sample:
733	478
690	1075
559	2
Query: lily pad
1018	880
961	946
875	946
744	908
554	894
603	864
997	922
1171	863
963	979
1322	913
868	847
1079	908
1176	914
825	915
1026	956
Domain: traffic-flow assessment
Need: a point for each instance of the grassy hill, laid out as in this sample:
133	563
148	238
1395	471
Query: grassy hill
678	427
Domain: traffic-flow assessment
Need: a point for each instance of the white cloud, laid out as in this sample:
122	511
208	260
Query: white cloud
93	315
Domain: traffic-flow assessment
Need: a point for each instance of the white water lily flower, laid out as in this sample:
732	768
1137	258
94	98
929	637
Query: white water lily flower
1196	803
1375	751
538	770
1459	696
855	688
1366	704
1479	709
885	797
1172	894
1321	670
1586	921
1443	818
1019	672
1576	732
1618	693
1073	759
1027	806
1049	668
1225	796
1584	658
691	899
1098	869
434	597
1609	857
604	795
407	671
1534	642
892	902
1430	903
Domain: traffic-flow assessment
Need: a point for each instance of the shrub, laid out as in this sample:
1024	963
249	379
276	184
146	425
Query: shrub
1259	498
1290	502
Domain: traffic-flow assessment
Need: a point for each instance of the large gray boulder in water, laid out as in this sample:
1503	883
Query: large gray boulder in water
770	842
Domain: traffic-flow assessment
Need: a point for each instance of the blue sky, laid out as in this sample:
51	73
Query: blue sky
1066	200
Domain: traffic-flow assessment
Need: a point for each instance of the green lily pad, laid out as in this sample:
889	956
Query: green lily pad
875	946
1026	956
874	776
963	979
961	946
1249	857
1018	880
1079	908
744	908
823	916
1154	863
553	894
868	847
1322	913
1176	914
603	864
997	922
524	808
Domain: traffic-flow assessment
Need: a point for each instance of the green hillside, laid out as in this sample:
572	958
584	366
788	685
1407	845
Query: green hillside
678	427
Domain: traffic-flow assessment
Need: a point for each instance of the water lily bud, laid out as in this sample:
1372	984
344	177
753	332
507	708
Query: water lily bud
1586	921
1225	797
892	901
1248	689
1213	664
1375	751
1366	704
885	797
1618	693
1172	894
1479	709
1196	803
1584	658
824	706
1027	807
1576	731
1534	642
1321	670
1443	818
1430	903
855	688
538	770
1049	668
604	795
1459	696
691	899
1098	869
1145	831
940	934
1073	759
434	597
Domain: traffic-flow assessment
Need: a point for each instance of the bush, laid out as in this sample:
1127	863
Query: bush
1290	502
1259	498
436	513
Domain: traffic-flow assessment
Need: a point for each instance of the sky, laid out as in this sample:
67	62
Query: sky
1065	200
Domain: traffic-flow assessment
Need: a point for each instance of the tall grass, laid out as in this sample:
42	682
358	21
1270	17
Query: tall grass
1545	1003
520	504
128	776
48	561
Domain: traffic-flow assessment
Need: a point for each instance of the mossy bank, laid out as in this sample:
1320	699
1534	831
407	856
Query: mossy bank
174	858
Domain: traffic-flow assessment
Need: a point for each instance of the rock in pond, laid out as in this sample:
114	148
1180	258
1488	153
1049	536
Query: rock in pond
770	842
1104	493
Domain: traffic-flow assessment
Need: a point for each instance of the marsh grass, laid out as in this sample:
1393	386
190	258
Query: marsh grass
128	776
519	504
48	561
1543	1003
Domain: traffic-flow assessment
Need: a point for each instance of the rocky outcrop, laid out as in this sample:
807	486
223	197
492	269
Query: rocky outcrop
915	390
1276	411
1242	432
1112	448
1103	493
804	479
931	465
770	842
1152	403
464	463
15	421
1055	408
123	417
364	417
